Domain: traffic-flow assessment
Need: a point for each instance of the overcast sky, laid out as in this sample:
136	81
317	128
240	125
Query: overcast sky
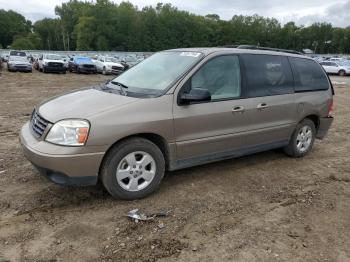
303	12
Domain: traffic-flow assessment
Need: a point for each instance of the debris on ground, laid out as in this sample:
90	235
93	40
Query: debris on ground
136	215
161	225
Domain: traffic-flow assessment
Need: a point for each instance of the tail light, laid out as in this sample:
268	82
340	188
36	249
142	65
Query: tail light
330	108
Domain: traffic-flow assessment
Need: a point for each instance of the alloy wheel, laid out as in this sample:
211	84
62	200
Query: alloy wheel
136	171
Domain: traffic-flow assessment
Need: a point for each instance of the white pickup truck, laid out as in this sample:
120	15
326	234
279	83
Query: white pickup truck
52	63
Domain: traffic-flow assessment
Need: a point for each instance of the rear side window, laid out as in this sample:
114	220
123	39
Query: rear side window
267	75
308	75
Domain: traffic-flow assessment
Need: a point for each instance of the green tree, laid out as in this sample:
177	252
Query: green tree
12	25
50	32
106	25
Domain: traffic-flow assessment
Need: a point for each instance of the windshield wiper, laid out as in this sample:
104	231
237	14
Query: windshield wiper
122	87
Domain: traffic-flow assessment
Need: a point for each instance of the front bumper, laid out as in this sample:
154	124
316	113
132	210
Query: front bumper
325	124
114	71
83	69
55	69
70	168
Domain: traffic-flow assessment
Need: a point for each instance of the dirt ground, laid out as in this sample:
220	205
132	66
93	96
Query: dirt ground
264	207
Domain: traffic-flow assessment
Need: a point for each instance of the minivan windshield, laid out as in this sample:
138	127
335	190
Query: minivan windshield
156	73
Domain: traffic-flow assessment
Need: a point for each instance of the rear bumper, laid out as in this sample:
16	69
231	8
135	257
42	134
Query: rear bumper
325	124
20	69
64	169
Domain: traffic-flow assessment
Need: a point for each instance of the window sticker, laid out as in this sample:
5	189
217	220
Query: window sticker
193	54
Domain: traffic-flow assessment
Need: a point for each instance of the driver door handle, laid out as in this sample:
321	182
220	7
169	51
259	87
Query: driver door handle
238	109
262	106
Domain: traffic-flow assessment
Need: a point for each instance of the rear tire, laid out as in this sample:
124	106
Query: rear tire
341	73
302	139
126	160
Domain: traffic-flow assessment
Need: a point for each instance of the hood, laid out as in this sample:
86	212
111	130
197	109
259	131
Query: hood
84	62
54	61
113	64
82	104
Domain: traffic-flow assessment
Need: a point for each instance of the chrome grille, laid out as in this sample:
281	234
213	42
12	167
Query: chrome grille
55	64
117	68
38	124
88	66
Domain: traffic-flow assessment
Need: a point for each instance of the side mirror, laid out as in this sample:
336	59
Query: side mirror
196	95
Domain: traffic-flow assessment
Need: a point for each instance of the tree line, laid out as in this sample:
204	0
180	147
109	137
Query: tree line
107	26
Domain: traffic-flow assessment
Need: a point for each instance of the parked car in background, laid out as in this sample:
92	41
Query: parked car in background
81	64
5	57
335	59
51	63
18	64
108	65
98	64
36	63
341	68
65	59
130	60
177	109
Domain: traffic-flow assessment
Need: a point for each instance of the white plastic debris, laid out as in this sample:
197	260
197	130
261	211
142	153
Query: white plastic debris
137	216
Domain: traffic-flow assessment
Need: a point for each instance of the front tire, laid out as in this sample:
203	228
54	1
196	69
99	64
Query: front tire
302	139
133	169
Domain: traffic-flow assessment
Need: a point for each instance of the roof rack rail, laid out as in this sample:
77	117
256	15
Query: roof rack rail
254	47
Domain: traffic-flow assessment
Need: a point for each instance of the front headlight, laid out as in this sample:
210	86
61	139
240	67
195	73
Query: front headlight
69	133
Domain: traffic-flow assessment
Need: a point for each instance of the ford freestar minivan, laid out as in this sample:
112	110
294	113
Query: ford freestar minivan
177	109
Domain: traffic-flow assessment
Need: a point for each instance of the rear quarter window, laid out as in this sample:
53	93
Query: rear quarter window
308	75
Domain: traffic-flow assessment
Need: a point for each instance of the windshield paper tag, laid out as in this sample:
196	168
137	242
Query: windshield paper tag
193	54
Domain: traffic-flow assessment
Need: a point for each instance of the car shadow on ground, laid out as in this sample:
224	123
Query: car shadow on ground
56	196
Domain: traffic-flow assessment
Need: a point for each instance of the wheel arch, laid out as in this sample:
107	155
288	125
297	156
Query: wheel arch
315	119
158	140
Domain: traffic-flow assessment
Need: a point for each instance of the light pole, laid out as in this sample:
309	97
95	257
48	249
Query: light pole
328	42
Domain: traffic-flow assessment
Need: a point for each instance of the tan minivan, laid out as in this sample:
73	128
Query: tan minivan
177	109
